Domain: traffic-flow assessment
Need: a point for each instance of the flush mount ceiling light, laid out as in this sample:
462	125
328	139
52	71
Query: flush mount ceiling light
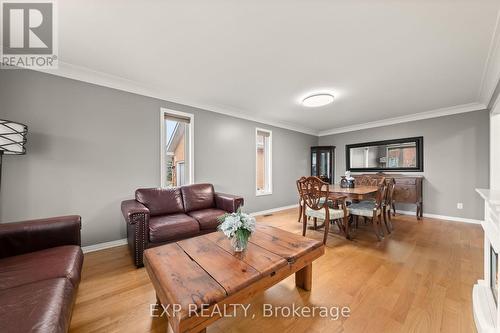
317	100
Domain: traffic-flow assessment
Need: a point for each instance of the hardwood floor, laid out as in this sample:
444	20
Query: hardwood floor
419	279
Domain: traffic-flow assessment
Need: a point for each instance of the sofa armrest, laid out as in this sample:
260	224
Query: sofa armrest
34	235
228	202
131	208
137	218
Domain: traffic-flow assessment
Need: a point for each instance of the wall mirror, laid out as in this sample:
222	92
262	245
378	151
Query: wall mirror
389	155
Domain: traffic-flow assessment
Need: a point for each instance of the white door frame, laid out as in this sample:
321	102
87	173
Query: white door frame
163	159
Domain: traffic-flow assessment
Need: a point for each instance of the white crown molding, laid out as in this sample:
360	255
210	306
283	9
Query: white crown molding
494	108
404	119
84	74
491	71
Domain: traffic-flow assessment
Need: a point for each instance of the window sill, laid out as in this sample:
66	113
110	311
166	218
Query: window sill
260	194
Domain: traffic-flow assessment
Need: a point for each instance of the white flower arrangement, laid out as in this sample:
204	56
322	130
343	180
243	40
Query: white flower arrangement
238	227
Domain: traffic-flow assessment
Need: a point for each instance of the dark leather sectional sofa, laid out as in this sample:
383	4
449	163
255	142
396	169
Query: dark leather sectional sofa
162	215
40	267
41	260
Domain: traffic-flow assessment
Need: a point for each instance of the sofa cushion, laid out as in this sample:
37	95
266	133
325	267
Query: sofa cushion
39	307
161	200
207	218
57	262
171	227
198	196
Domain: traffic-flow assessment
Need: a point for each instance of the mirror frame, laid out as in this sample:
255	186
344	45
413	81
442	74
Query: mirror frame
419	142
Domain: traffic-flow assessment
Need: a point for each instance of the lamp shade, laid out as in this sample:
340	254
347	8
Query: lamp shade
12	137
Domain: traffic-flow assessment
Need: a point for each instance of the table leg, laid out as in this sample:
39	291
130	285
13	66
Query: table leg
345	220
303	278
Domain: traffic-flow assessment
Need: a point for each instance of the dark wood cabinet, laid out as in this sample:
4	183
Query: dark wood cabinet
408	189
323	162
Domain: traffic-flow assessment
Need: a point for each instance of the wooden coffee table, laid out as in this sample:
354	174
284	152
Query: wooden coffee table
201	273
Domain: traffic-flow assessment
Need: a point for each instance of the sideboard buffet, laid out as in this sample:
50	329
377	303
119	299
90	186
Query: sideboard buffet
408	189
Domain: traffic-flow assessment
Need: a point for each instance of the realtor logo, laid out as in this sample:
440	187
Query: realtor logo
28	35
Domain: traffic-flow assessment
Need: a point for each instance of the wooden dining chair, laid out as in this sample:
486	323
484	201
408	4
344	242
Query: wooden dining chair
389	203
372	210
315	198
373	181
299	183
363	181
300	189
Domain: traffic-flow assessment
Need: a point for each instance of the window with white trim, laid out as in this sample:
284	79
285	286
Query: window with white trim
176	148
263	155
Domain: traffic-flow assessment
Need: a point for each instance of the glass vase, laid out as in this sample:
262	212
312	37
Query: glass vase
239	244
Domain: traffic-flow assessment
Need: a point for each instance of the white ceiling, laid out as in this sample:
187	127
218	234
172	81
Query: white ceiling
256	59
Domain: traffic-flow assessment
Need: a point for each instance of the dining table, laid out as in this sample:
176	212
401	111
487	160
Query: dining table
339	194
359	192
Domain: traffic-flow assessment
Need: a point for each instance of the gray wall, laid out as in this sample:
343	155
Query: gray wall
90	147
456	159
495	149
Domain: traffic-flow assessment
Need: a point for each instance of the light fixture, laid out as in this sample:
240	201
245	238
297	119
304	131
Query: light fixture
317	100
12	139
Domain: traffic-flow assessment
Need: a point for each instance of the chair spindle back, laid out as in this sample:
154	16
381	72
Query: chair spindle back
381	194
313	191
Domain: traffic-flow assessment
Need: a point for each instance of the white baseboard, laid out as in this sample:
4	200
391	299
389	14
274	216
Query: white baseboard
404	212
102	246
273	210
119	242
442	217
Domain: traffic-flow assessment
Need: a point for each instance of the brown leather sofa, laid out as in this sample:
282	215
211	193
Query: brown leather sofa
40	267
162	215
